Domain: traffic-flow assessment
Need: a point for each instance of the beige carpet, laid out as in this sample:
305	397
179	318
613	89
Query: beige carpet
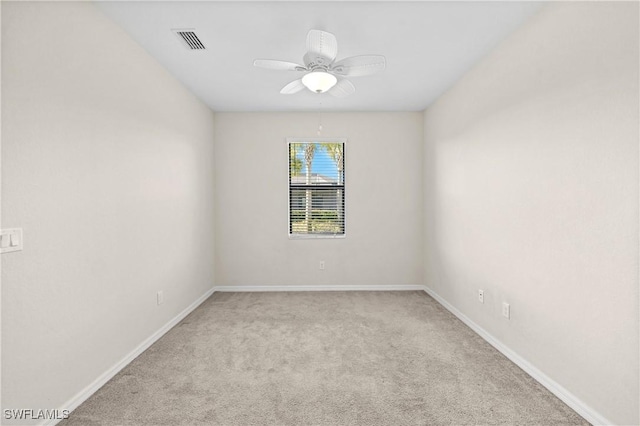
322	358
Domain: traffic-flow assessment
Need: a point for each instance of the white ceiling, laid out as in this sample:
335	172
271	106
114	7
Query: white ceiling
428	46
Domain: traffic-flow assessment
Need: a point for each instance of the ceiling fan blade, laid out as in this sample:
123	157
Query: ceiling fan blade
342	88
293	87
278	65
322	48
359	65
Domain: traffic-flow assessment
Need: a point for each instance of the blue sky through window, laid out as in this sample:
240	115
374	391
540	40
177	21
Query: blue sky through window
322	164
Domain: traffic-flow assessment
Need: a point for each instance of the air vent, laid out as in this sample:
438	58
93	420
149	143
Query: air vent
190	39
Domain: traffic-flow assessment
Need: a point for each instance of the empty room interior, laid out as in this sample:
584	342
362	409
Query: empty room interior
320	213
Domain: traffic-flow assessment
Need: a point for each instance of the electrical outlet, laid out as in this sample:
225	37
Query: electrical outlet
322	265
506	310
160	297
481	296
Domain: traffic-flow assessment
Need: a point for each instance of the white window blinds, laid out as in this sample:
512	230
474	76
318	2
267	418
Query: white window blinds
316	188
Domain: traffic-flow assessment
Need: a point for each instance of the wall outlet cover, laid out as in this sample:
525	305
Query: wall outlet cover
506	310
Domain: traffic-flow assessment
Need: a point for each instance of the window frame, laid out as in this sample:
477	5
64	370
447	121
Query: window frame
296	236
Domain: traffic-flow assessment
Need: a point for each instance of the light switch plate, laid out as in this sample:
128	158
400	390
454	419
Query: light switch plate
11	240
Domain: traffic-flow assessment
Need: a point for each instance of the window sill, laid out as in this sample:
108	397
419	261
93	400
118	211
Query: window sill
316	236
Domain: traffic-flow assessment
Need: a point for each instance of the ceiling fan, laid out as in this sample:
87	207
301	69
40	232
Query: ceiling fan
322	73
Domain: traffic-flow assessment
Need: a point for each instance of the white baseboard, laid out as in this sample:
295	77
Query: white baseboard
83	395
563	394
261	288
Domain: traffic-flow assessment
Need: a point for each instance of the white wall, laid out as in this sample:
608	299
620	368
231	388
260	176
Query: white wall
531	183
107	166
383	178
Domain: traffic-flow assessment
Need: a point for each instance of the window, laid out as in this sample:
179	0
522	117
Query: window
316	188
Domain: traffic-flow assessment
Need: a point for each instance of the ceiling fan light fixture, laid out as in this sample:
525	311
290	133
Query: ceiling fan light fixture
319	81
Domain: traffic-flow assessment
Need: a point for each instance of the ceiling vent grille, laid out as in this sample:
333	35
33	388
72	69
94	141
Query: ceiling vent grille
190	39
